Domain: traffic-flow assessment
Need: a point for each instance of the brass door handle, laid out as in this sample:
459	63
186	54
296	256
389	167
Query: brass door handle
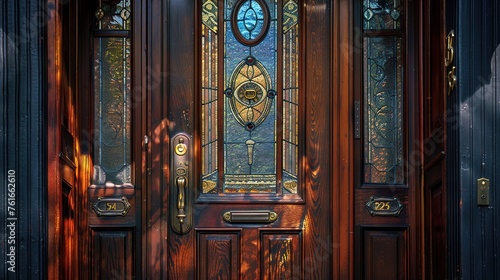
181	195
181	198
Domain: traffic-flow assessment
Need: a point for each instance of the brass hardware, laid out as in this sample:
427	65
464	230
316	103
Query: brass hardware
448	60
452	80
384	206
357	120
483	192
257	216
181	148
181	200
111	206
250	94
450	53
181	195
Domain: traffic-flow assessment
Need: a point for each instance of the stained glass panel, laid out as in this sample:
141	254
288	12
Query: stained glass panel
249	106
290	96
112	111
209	80
114	15
383	99
382	14
249	97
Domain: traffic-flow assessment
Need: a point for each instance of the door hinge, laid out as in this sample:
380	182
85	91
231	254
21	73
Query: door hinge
357	120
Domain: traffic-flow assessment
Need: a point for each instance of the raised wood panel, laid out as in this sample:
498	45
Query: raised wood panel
437	222
385	253
113	253
218	254
69	232
281	256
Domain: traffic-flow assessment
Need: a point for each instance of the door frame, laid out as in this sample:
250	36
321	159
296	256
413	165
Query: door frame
343	43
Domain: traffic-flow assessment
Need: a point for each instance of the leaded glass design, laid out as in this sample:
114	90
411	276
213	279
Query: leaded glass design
250	94
113	15
382	14
383	99
290	96
383	91
250	127
112	100
250	20
247	92
209	83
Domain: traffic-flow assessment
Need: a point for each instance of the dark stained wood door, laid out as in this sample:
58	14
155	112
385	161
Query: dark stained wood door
225	226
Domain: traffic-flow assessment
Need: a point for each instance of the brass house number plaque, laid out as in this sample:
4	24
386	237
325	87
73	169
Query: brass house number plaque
384	206
111	206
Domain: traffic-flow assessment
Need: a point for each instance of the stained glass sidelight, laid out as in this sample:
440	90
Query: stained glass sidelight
247	93
383	92
112	84
383	110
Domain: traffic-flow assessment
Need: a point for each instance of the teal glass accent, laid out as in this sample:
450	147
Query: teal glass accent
250	19
382	14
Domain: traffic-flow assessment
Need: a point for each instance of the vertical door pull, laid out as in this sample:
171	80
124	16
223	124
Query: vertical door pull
181	195
181	198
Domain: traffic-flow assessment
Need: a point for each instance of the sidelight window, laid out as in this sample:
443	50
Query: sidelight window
383	91
112	99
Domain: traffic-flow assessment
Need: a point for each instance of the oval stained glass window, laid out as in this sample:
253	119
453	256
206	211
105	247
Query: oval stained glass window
250	21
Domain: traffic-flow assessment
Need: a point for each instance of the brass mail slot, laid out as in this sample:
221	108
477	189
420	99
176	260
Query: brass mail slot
258	216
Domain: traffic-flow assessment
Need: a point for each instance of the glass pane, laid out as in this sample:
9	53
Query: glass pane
209	99
383	115
249	105
112	111
382	14
250	19
114	14
290	95
249	98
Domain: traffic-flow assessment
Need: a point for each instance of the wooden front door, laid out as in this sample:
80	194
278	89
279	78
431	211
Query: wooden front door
239	181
